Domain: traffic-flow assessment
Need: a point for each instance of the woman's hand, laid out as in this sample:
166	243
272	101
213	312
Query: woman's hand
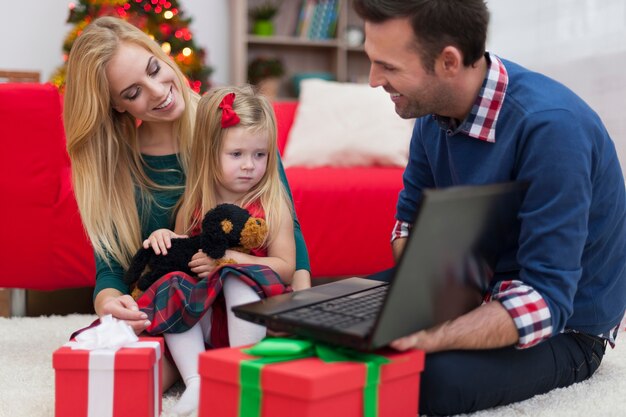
301	280
161	240
122	307
201	264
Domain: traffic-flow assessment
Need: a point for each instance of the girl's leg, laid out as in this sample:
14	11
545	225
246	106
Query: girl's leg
185	349
240	332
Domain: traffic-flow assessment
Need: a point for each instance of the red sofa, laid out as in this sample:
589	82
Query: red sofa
44	245
346	213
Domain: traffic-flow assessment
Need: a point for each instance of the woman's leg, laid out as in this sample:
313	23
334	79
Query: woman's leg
458	382
240	332
170	374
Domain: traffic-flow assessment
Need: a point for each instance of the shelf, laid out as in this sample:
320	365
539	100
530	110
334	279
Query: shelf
291	41
359	49
298	54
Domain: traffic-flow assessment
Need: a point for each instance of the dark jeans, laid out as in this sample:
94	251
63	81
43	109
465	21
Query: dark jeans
456	382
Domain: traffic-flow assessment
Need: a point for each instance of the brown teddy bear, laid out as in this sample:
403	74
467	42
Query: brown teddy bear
227	226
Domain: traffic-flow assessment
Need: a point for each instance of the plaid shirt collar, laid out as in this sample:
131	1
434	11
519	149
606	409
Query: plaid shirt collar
481	122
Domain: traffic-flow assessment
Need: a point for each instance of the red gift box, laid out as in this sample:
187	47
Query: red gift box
109	383
310	387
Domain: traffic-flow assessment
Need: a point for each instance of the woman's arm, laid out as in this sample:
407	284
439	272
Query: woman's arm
111	295
302	254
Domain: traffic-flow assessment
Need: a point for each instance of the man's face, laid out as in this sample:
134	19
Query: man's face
397	67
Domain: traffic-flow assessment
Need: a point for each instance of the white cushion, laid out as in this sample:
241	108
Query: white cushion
344	124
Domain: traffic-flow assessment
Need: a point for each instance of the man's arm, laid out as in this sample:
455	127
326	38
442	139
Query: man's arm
487	327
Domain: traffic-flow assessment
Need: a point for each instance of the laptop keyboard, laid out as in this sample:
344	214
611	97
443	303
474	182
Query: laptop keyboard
341	312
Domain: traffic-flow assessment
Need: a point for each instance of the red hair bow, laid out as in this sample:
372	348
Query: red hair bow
229	116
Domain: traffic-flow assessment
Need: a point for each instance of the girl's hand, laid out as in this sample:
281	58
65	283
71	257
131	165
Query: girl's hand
123	307
201	264
161	240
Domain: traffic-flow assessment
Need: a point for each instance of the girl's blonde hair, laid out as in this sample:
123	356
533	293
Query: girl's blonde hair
102	143
256	115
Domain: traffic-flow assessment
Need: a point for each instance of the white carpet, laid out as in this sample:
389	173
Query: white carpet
27	377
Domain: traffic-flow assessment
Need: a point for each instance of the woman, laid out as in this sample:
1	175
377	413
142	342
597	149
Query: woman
129	119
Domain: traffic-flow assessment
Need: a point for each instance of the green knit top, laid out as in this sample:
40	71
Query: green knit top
158	213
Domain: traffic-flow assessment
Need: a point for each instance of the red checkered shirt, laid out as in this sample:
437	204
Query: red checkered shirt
527	308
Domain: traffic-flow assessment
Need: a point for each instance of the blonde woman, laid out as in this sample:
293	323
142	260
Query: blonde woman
234	160
129	119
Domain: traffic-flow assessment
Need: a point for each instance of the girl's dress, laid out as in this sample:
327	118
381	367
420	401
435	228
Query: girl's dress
177	301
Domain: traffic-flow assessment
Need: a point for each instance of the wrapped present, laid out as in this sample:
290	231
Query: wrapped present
108	373
290	377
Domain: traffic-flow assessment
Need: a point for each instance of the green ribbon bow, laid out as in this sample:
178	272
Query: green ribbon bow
279	349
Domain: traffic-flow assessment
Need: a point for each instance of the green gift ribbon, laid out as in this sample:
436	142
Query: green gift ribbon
280	349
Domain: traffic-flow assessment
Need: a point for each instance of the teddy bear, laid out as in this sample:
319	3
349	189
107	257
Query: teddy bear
226	226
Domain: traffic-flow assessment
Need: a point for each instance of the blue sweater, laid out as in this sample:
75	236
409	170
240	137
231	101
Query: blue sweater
572	242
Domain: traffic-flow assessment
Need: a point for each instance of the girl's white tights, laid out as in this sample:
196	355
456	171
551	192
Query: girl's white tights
240	332
186	347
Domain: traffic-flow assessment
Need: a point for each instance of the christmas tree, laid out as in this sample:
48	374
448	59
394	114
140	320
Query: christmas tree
161	19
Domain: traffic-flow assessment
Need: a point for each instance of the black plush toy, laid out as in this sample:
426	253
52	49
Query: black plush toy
227	226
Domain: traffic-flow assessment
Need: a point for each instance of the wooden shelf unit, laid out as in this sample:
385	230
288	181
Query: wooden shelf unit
13	76
298	54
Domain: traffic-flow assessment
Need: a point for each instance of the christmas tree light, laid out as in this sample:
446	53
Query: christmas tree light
161	19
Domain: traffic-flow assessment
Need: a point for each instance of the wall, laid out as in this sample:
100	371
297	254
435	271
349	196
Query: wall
581	43
33	31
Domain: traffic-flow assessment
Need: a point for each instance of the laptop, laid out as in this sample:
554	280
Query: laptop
448	261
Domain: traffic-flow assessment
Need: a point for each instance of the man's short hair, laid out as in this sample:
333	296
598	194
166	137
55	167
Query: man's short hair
436	24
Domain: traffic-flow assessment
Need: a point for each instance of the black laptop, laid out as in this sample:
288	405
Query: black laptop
449	259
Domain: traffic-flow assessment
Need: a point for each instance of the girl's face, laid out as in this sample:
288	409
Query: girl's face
244	161
143	85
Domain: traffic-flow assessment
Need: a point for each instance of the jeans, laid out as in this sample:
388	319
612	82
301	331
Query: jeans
456	382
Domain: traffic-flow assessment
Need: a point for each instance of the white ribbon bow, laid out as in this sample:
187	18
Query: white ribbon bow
110	334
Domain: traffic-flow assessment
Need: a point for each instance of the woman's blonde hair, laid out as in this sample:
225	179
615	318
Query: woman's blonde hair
102	143
256	115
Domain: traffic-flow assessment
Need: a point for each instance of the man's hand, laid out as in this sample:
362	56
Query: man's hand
424	340
486	327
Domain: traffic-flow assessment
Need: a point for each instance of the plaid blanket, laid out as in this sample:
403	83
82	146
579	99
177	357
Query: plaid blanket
176	301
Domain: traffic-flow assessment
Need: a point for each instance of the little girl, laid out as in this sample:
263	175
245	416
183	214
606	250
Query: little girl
234	160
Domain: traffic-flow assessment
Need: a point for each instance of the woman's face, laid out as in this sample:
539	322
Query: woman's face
143	85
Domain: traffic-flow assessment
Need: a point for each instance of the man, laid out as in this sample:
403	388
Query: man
557	300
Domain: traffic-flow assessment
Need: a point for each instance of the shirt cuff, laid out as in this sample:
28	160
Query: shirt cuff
400	230
528	309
